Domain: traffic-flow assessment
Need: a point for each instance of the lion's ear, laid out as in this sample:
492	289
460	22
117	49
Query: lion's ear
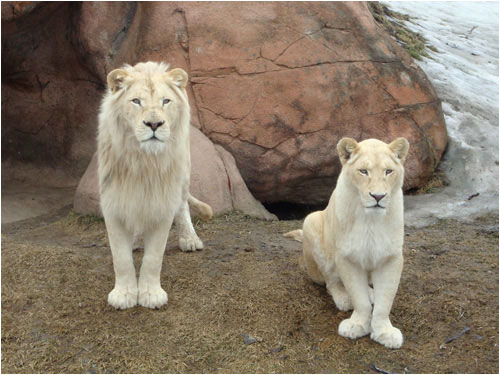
345	148
178	77
115	79
400	147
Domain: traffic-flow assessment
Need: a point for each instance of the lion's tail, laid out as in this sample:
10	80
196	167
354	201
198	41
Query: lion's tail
203	209
296	235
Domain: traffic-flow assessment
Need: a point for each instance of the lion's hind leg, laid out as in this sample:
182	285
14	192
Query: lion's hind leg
314	254
311	242
188	239
338	293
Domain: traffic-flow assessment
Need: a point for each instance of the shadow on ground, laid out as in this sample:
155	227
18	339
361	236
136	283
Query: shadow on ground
57	272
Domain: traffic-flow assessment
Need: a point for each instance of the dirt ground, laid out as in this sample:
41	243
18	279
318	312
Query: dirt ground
57	272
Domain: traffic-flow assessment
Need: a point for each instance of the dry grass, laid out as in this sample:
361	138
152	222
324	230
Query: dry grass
56	276
435	184
414	43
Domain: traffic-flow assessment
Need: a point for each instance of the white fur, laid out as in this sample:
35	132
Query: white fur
144	181
352	243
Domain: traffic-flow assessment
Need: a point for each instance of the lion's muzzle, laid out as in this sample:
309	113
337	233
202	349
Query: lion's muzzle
378	198
153	125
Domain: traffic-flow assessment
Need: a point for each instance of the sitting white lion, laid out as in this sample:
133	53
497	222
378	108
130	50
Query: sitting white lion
358	238
144	170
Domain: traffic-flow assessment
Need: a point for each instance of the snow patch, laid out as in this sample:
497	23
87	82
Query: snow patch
464	73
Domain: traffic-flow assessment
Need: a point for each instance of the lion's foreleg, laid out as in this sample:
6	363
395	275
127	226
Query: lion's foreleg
385	284
124	294
188	239
355	281
151	293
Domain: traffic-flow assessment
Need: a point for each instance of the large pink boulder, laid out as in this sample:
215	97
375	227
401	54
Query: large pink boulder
282	83
276	84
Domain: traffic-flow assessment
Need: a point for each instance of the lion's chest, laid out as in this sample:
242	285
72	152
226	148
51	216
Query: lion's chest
143	197
369	243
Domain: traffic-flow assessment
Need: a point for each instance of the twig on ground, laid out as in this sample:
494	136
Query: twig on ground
276	350
459	334
473	196
375	368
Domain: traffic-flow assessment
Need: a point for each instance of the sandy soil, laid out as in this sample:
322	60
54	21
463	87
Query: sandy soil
57	272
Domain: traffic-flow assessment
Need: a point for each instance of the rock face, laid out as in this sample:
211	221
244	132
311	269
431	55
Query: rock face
215	179
49	97
281	84
277	84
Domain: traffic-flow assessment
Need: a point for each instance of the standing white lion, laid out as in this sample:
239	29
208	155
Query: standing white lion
144	169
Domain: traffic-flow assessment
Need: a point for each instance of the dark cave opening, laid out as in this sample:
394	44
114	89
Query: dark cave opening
292	211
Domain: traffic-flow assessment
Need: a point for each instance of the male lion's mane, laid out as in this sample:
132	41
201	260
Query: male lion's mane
142	188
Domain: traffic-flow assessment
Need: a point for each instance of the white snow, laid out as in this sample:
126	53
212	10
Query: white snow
464	73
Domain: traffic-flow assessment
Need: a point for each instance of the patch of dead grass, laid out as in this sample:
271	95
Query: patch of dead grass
55	317
414	43
435	184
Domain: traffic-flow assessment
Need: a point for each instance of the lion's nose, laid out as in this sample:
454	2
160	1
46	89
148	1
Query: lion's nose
378	197
153	125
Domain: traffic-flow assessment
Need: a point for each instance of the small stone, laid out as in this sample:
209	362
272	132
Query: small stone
277	350
248	340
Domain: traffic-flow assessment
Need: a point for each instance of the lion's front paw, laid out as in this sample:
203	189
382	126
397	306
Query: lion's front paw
352	329
389	336
123	298
190	243
152	297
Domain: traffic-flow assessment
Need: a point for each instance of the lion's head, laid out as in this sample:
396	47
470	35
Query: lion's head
152	100
374	169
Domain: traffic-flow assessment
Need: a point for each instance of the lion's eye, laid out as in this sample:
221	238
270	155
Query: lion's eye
136	101
166	101
388	172
364	172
